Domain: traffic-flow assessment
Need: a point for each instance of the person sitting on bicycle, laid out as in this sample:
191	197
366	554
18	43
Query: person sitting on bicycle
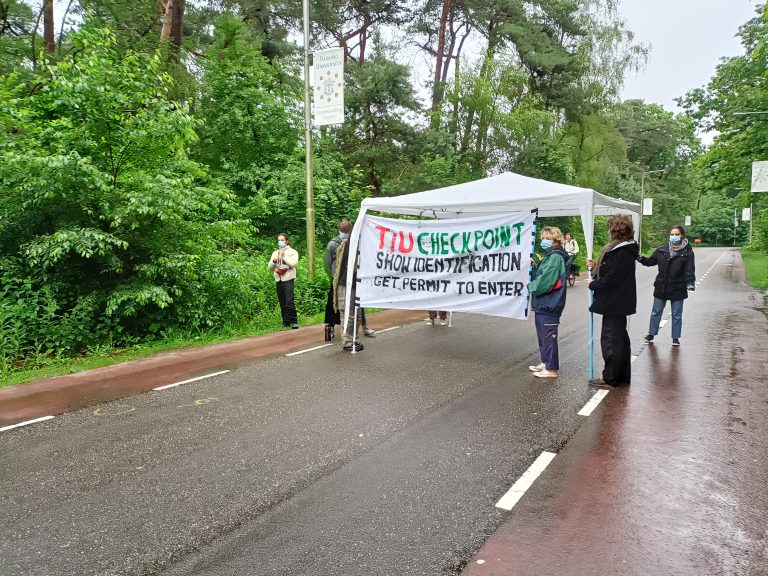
572	248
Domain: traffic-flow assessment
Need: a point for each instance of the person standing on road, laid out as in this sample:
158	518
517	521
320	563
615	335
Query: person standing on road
572	248
331	315
548	291
433	314
283	265
340	294
676	277
615	297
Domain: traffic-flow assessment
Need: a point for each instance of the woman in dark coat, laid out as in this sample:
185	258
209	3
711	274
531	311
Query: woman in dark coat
676	277
615	297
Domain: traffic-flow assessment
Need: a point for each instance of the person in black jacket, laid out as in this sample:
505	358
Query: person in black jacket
615	297
676	277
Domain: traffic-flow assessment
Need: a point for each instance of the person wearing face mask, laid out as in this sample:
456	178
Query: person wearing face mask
615	298
548	292
332	318
676	277
283	265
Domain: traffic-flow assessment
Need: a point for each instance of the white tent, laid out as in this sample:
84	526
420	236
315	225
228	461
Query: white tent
507	192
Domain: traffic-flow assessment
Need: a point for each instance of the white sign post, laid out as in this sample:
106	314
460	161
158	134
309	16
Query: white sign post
480	265
687	220
329	86
745	215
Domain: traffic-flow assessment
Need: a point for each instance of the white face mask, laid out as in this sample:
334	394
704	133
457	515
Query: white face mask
281	243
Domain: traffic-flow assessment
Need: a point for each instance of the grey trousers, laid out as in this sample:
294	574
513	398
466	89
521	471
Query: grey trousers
346	335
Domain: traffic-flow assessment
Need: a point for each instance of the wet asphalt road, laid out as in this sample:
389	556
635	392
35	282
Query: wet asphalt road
386	462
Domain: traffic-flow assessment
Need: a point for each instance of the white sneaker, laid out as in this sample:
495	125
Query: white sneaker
443	322
430	321
537	368
545	374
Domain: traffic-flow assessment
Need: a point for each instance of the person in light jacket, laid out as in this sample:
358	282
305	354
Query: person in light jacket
283	265
676	277
548	292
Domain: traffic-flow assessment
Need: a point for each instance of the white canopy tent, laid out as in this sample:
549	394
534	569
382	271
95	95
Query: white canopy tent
507	192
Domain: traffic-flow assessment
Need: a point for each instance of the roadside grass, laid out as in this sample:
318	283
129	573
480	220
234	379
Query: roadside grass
176	340
756	265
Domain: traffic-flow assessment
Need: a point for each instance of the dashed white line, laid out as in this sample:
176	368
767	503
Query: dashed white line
662	323
387	329
593	402
634	357
26	423
191	380
508	501
309	349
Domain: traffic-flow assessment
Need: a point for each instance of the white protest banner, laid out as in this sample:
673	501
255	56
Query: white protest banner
480	265
329	86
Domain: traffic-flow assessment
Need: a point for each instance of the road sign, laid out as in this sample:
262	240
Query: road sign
760	176
745	215
647	206
687	220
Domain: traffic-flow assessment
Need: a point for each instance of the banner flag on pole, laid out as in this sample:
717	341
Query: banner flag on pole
479	265
329	86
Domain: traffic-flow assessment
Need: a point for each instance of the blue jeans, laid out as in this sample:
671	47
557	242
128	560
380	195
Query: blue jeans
677	316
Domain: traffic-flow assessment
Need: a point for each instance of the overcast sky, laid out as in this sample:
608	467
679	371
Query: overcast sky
687	38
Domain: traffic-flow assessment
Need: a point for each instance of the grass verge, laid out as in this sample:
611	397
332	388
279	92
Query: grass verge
756	265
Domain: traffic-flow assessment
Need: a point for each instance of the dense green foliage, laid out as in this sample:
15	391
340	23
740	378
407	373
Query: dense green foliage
148	163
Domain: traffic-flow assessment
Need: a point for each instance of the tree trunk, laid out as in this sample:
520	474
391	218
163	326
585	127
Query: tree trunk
437	88
48	35
165	33
177	25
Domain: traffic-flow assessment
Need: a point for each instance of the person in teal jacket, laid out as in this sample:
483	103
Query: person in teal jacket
548	300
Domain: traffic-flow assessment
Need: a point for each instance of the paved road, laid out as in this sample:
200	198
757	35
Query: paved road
386	462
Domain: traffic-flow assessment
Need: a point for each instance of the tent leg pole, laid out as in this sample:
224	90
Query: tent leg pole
354	332
450	319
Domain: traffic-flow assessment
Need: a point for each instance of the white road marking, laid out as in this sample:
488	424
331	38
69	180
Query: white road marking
26	423
634	358
593	402
663	323
309	349
508	501
191	380
387	329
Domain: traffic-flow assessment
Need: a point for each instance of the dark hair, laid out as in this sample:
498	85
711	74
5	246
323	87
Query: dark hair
345	226
682	230
284	235
621	228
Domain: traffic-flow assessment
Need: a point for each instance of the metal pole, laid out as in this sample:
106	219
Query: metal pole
735	210
640	220
308	151
751	217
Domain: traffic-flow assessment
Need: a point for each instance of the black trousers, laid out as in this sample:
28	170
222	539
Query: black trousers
617	351
331	316
287	306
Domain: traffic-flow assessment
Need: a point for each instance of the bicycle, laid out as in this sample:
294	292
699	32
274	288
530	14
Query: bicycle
572	273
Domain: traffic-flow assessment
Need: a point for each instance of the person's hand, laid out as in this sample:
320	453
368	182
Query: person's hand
590	263
691	288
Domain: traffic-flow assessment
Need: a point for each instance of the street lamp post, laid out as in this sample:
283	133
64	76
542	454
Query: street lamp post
642	199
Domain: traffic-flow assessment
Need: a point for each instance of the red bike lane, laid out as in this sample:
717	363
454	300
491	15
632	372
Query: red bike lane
666	477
